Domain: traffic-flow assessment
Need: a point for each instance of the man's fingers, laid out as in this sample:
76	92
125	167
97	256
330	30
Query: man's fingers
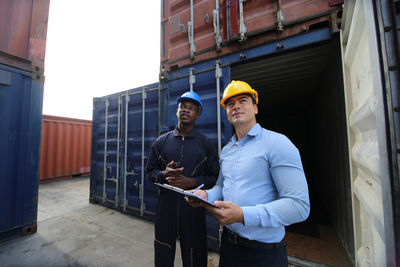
223	204
170	164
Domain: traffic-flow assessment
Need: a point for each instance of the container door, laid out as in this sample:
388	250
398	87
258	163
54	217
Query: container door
140	129
105	159
369	130
208	80
124	126
21	113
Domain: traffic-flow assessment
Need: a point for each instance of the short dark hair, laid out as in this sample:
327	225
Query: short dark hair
252	98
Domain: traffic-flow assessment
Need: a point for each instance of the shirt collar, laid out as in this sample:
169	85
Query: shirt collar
189	134
256	129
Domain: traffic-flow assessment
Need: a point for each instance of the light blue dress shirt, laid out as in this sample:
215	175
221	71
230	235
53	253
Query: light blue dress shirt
263	175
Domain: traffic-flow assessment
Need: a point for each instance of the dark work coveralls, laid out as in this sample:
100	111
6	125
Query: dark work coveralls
175	217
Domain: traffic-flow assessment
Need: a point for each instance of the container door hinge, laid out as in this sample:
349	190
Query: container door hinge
38	73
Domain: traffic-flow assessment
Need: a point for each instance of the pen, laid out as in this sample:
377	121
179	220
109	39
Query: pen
197	188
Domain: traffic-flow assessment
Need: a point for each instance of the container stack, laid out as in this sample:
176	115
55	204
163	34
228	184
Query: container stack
22	51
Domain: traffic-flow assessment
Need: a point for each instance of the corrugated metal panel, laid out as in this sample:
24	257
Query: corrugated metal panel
65	148
259	26
370	175
21	113
23	31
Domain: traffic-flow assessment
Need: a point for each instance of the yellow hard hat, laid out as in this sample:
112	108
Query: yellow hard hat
237	88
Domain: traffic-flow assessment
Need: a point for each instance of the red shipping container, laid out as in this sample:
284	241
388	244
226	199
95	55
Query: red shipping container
23	32
65	147
242	24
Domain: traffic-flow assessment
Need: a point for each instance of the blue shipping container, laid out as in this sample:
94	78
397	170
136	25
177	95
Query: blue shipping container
21	99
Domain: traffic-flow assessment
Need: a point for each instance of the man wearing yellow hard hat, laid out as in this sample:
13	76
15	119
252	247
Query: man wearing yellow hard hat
261	187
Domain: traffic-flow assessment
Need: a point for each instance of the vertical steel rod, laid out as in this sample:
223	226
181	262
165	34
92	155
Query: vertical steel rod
242	27
118	139
218	38
105	152
191	32
124	204
143	133
218	75
192	79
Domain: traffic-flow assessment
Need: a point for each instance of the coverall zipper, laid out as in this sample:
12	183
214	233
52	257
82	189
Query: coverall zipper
177	206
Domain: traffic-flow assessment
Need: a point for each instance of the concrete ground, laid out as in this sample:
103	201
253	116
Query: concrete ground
73	232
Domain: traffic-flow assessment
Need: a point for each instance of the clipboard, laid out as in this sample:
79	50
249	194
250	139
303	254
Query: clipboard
185	193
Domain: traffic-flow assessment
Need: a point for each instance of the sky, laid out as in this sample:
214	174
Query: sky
96	48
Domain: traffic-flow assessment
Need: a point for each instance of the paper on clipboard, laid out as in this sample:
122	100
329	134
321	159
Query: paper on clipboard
185	193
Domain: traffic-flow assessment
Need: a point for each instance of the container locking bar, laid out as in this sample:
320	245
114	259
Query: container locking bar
242	27
218	37
142	205
192	79
117	178
105	151
125	201
218	75
279	17
191	32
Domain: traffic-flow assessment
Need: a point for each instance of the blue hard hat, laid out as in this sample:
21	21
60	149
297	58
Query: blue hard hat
190	95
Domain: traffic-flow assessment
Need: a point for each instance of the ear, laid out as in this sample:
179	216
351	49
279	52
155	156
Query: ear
255	109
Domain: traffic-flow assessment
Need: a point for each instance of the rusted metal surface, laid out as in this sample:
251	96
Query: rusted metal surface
23	32
65	147
260	18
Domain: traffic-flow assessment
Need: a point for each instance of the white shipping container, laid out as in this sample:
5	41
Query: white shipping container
370	82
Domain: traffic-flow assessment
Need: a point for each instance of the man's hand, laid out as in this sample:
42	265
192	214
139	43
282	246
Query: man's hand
181	181
170	171
195	203
228	214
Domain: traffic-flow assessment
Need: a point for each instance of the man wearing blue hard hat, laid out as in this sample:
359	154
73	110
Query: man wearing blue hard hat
186	159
